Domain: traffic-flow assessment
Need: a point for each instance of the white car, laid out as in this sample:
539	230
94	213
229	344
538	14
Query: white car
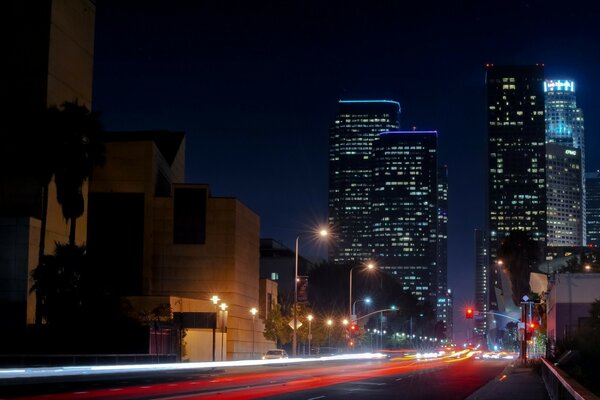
275	354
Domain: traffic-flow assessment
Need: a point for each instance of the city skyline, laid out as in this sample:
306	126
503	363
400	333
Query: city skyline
255	87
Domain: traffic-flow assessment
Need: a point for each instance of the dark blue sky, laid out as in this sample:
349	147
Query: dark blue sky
255	85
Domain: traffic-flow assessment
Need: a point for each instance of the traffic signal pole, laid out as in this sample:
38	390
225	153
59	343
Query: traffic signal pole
524	339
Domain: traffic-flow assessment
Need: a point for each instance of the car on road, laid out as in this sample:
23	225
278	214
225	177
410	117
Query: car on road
274	354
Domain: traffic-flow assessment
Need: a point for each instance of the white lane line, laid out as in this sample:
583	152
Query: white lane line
315	398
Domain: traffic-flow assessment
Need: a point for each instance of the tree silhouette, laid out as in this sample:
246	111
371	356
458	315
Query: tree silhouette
519	254
78	131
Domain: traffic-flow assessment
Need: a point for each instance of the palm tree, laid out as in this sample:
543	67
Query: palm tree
79	152
519	254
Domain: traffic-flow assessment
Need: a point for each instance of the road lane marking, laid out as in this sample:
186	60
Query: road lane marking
315	398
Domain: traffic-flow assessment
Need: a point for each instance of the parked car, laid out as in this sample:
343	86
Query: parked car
274	354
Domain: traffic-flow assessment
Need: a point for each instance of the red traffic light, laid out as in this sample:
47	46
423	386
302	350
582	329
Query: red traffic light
469	313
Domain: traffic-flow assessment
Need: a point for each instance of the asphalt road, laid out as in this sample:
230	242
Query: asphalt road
385	379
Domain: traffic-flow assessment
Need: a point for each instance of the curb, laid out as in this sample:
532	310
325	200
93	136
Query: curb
488	388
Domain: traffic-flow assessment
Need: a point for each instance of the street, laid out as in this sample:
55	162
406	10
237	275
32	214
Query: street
396	377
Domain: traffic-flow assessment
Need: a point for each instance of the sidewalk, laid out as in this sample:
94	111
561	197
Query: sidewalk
514	383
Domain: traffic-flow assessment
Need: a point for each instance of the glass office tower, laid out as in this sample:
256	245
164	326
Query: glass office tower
592	182
405	209
566	165
516	158
351	137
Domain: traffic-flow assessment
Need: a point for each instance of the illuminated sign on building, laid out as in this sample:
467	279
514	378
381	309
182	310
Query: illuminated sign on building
551	86
571	152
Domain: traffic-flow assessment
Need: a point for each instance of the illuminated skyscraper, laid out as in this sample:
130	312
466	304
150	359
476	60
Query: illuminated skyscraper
404	210
356	126
516	155
592	183
443	312
481	282
564	195
565	165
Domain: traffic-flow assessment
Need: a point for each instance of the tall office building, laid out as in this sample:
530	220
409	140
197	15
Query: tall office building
564	195
592	184
443	313
404	209
516	155
481	282
350	179
565	165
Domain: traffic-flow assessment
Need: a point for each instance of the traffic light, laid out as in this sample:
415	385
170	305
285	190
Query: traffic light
353	330
469	313
531	327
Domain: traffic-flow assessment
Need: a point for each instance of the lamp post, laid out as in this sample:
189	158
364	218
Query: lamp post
215	300
322	233
366	300
310	318
369	266
329	323
223	307
253	311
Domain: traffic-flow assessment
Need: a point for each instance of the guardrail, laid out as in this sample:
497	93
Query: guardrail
561	386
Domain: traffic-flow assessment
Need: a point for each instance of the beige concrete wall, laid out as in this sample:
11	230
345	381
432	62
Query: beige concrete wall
226	265
71	57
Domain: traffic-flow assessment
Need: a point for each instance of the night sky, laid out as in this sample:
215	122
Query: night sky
254	85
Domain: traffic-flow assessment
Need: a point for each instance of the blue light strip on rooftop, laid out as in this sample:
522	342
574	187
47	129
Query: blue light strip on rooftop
371	101
412	132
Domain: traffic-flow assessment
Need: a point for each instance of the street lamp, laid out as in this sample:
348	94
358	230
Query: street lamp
369	266
223	307
253	311
329	323
215	300
322	233
310	318
366	300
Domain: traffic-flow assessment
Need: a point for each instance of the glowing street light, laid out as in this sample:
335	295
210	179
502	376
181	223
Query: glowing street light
253	311
223	307
323	233
366	300
215	300
369	266
310	318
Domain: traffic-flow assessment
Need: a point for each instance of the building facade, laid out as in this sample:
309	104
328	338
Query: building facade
564	196
565	164
443	309
570	297
404	209
516	159
173	242
49	60
351	137
592	208
481	303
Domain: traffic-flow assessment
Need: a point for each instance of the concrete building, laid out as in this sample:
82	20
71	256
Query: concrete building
49	54
174	243
277	263
570	296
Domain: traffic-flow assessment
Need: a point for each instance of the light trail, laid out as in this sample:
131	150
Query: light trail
255	385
